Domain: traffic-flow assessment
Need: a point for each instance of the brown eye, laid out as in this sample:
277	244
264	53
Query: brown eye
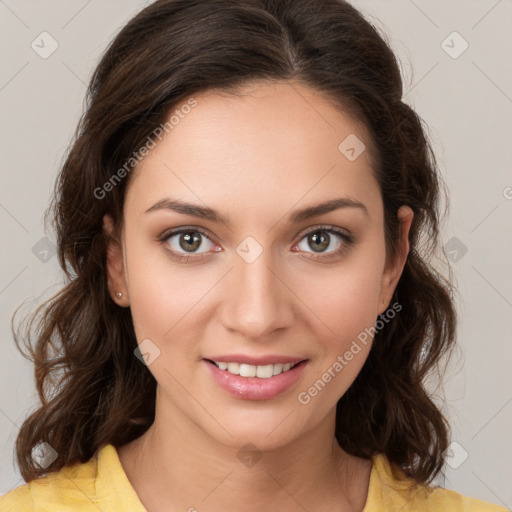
190	241
185	243
318	240
325	242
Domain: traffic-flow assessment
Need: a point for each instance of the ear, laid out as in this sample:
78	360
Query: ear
393	271
115	264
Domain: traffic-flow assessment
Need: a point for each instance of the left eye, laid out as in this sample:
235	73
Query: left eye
321	239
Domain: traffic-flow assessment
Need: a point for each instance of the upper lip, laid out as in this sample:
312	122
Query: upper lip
256	361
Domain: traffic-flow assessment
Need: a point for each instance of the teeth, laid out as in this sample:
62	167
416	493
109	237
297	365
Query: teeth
234	368
249	370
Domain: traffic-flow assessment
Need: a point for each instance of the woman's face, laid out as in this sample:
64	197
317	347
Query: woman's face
275	282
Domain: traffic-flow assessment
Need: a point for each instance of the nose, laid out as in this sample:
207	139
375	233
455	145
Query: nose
258	300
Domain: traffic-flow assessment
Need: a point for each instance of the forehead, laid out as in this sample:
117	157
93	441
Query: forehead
271	144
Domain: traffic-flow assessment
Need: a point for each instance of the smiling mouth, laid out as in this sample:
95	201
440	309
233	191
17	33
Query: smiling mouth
248	370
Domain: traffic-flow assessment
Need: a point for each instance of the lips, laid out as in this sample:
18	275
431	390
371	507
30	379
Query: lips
254	387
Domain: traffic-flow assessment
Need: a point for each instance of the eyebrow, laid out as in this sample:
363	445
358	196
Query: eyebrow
204	212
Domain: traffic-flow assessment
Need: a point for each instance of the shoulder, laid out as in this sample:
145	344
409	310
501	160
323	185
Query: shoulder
71	484
17	500
390	489
98	484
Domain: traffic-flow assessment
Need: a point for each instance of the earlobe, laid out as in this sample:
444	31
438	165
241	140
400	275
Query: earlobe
115	266
392	273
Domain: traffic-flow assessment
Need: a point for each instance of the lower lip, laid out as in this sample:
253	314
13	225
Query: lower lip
254	388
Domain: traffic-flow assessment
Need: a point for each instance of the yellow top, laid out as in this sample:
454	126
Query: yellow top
102	484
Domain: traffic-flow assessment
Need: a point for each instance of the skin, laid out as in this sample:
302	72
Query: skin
254	158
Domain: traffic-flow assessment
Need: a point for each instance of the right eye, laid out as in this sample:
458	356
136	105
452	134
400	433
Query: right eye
187	239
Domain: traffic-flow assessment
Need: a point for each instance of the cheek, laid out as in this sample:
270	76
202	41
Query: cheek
346	298
162	295
347	302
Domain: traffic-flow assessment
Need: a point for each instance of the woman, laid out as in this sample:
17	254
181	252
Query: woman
249	319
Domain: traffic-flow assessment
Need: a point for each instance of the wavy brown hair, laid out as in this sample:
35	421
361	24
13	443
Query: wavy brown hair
93	390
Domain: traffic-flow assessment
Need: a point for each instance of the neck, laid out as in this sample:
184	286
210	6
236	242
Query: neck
177	462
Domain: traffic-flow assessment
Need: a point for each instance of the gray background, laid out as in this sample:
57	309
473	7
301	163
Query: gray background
465	97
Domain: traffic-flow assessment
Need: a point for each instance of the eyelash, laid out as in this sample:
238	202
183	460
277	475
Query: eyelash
347	241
